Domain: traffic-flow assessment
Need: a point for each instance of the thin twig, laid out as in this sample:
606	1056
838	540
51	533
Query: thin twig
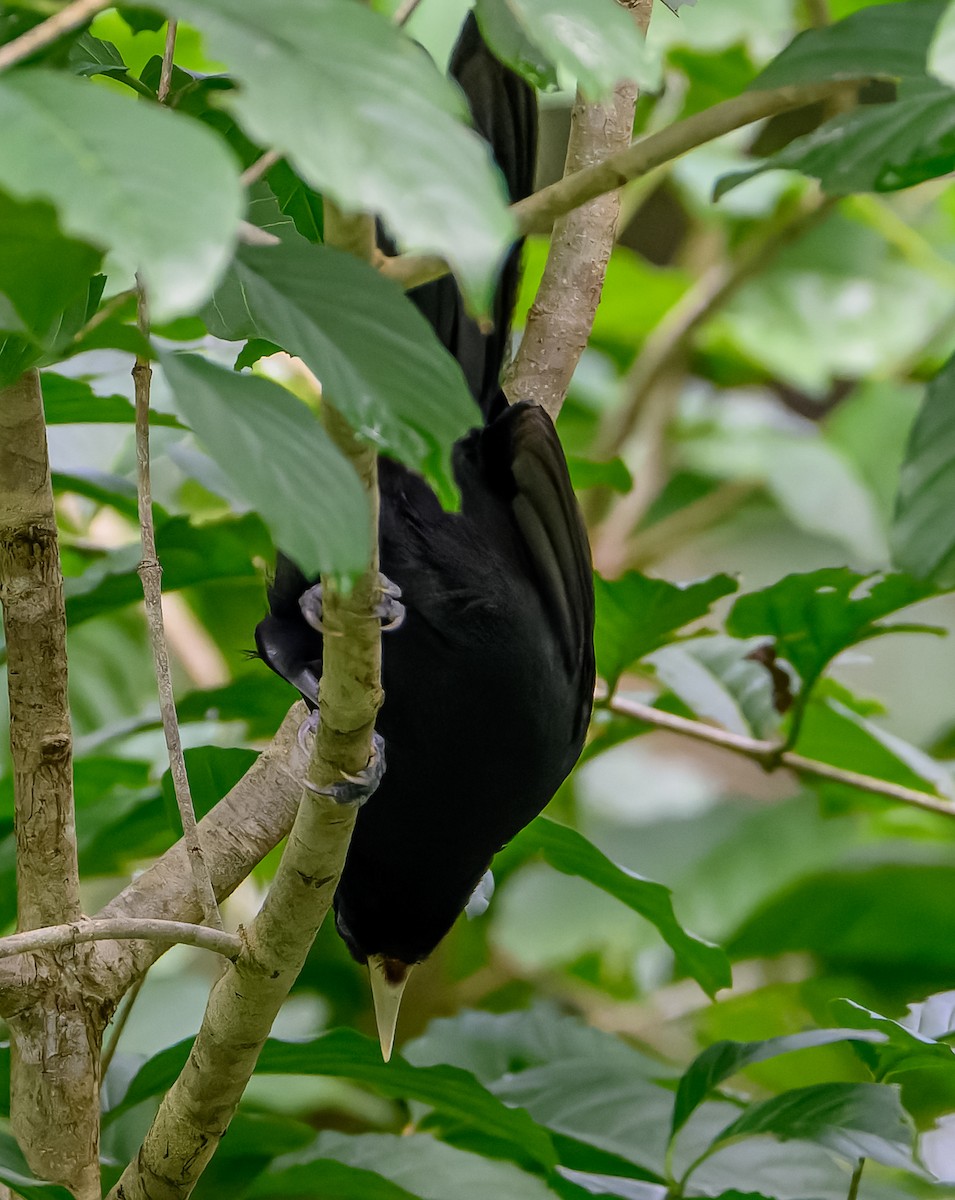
71	17
150	572
265	162
169	53
118	1026
405	11
77	933
818	13
770	756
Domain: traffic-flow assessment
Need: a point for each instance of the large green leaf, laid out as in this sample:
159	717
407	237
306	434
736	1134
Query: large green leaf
15	1173
510	43
159	191
724	1059
379	109
855	1120
41	271
814	617
415	1165
595	40
902	922
377	358
597	1103
347	1054
719	680
637	615
572	854
889	41
923	535
832	733
275	453
69	401
910	1044
875	148
190	554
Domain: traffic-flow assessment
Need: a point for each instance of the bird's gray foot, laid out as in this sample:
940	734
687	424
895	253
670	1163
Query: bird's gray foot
351	789
389	610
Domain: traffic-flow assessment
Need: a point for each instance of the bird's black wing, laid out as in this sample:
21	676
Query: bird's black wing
517	461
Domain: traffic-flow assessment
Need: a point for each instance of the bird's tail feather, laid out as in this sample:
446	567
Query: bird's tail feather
504	112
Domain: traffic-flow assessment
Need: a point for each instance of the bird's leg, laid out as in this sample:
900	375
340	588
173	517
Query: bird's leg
352	789
389	609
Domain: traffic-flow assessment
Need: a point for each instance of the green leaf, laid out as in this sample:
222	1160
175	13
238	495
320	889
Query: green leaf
903	923
384	110
875	148
814	617
416	1165
512	46
594	40
887	41
189	554
923	534
720	681
612	474
17	1175
941	55
69	401
159	191
637	615
570	853
855	1120
832	733
724	1059
92	56
308	1175
910	1044
274	451
600	1104
213	771
41	271
347	1054
377	358
492	1045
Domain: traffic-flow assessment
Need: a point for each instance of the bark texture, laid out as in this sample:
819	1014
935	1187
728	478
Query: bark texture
55	1039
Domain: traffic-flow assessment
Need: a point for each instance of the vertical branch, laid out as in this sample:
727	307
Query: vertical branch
34	617
54	1068
196	1111
150	572
562	316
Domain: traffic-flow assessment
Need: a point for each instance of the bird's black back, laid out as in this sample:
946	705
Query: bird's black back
488	683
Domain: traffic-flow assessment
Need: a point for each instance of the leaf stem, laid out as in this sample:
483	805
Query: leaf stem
856	1180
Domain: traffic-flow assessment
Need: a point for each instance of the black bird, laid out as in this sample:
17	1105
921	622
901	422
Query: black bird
489	679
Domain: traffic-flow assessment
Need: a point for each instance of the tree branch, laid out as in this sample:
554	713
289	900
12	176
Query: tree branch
76	933
150	572
771	756
538	213
244	1002
71	17
562	315
168	57
54	1069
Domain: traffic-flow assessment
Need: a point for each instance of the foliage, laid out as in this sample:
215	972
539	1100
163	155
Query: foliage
783	498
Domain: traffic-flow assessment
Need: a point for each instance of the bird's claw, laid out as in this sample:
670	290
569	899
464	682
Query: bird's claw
389	609
351	789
